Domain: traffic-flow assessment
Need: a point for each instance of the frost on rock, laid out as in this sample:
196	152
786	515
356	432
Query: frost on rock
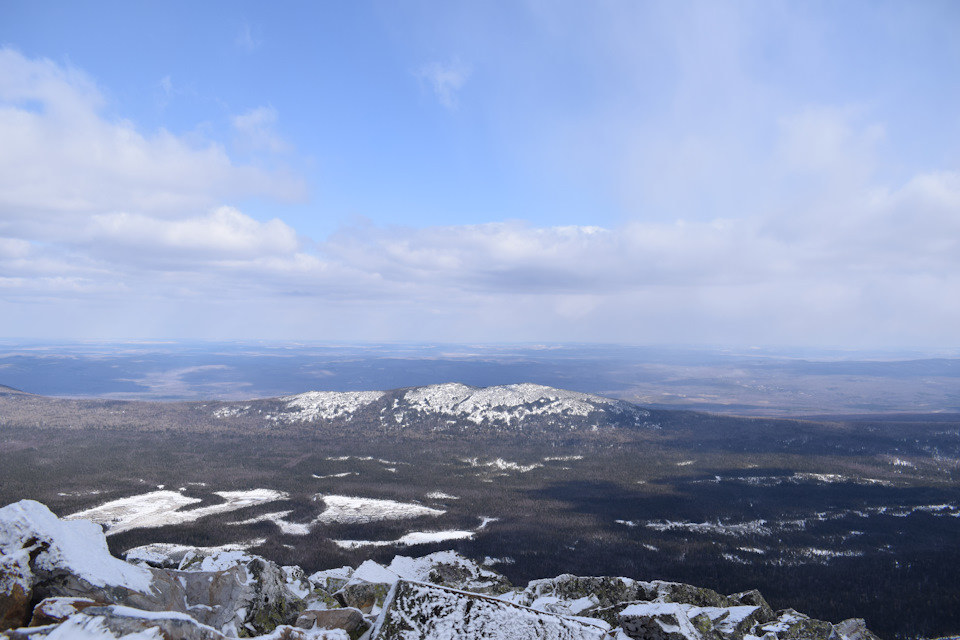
450	569
685	621
29	530
422	611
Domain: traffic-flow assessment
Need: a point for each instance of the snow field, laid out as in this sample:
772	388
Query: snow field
160	508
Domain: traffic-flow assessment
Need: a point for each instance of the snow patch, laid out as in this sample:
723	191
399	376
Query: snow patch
440	495
755	527
161	552
351	510
161	508
279	519
324	405
503	465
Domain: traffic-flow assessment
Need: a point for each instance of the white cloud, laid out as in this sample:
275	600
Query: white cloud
257	130
61	160
225	232
445	80
89	204
761	222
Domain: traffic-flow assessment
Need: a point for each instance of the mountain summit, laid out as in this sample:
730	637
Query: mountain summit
450	407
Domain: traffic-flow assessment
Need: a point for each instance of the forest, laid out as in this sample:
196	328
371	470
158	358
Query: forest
830	527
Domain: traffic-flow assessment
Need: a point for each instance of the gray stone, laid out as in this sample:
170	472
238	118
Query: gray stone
122	621
363	595
56	610
428	612
753	597
16	590
854	629
791	625
349	619
658	621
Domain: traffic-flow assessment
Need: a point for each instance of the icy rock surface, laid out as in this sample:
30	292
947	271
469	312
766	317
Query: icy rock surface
59	576
46	557
429	612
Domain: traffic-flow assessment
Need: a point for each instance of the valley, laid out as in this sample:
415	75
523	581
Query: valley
836	518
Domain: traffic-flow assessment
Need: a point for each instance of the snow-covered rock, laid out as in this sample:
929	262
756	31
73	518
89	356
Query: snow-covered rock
43	557
56	610
346	618
450	569
429	612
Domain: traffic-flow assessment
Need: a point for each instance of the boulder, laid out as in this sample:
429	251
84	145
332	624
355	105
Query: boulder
854	629
44	557
364	596
753	597
331	580
16	588
792	625
428	612
658	621
450	569
121	621
349	619
606	591
685	594
238	593
56	610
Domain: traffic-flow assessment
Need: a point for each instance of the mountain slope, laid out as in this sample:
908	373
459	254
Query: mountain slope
445	409
451	407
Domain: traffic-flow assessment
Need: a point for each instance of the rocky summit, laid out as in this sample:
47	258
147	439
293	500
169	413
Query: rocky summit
431	411
451	407
58	580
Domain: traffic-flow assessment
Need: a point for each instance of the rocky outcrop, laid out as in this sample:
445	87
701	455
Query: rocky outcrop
420	610
44	557
348	619
57	579
56	610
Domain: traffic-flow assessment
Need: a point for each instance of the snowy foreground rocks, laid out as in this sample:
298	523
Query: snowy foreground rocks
59	581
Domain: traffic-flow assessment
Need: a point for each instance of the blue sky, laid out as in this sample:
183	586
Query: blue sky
744	173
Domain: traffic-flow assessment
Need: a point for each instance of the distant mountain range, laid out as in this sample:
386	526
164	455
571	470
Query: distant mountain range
434	409
527	411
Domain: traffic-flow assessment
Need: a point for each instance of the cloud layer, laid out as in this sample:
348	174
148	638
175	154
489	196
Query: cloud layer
798	237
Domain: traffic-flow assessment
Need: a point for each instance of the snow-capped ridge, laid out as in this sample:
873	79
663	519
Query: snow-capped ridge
442	407
504	403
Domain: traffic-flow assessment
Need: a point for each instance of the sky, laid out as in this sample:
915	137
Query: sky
699	173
